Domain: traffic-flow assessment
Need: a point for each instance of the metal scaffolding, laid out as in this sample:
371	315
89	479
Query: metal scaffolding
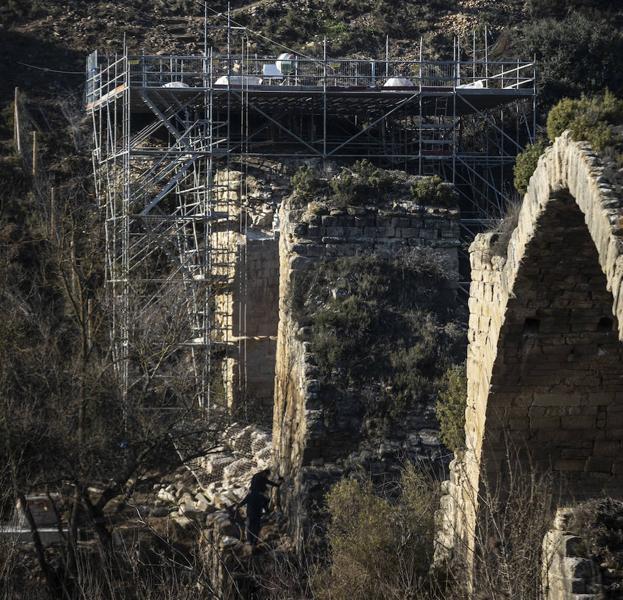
170	131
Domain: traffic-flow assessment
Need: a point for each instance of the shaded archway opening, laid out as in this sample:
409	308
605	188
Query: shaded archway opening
556	395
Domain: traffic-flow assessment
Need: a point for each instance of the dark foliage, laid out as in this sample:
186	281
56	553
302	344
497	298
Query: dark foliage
526	164
600	525
388	323
576	54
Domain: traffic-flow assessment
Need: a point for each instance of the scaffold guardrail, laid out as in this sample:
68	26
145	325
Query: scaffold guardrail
107	76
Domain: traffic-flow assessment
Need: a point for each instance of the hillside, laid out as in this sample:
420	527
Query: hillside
570	39
365	354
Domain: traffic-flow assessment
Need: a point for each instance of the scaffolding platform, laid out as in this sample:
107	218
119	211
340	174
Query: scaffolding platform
166	126
339	99
346	85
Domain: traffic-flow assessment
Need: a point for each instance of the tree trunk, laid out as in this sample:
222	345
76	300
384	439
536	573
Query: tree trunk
55	586
99	524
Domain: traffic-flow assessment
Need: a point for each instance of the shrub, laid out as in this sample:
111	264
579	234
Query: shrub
361	184
590	119
450	408
306	184
581	114
526	164
380	544
364	184
433	190
560	117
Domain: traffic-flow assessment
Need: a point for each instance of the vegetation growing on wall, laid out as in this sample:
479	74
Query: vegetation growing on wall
596	119
386	325
599	523
590	118
450	408
363	184
526	164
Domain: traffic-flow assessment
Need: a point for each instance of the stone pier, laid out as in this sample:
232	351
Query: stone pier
545	359
317	437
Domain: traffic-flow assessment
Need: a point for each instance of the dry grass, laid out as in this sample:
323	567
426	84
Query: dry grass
504	229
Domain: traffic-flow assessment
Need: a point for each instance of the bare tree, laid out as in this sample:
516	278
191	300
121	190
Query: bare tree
62	411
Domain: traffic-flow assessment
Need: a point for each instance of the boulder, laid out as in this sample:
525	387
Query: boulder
165	496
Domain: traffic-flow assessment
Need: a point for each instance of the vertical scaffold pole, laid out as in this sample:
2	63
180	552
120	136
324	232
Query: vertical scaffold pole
421	109
473	55
534	104
486	56
204	401
324	104
205	32
458	60
125	238
457	75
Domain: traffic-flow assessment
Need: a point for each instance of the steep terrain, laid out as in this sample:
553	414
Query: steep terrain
57	35
51	256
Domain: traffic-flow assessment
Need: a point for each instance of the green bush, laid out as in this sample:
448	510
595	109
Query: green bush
526	164
306	183
578	53
592	110
590	119
361	184
364	184
380	546
450	408
433	191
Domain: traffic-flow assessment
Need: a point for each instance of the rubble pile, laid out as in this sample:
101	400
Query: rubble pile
217	481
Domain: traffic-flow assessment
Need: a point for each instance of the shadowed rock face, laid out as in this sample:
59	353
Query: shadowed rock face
545	360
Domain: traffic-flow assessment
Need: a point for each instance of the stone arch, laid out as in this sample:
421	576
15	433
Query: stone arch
545	358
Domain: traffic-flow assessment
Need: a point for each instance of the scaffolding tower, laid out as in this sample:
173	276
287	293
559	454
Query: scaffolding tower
169	131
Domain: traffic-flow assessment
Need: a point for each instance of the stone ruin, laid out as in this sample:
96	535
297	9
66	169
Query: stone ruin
545	359
314	440
317	439
545	370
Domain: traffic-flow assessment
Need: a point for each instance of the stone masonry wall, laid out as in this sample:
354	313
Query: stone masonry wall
567	573
316	440
246	305
545	362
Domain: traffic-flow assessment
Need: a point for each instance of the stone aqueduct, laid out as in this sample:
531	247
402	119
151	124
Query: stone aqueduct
545	358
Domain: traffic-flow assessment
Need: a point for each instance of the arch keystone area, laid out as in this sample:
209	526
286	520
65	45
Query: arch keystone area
545	355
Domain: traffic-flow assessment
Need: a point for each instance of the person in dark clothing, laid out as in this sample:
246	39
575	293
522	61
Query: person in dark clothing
260	482
257	504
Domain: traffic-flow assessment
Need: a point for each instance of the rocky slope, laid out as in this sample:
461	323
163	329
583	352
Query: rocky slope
57	35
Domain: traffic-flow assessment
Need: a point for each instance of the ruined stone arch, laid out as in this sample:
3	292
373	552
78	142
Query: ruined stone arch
545	358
